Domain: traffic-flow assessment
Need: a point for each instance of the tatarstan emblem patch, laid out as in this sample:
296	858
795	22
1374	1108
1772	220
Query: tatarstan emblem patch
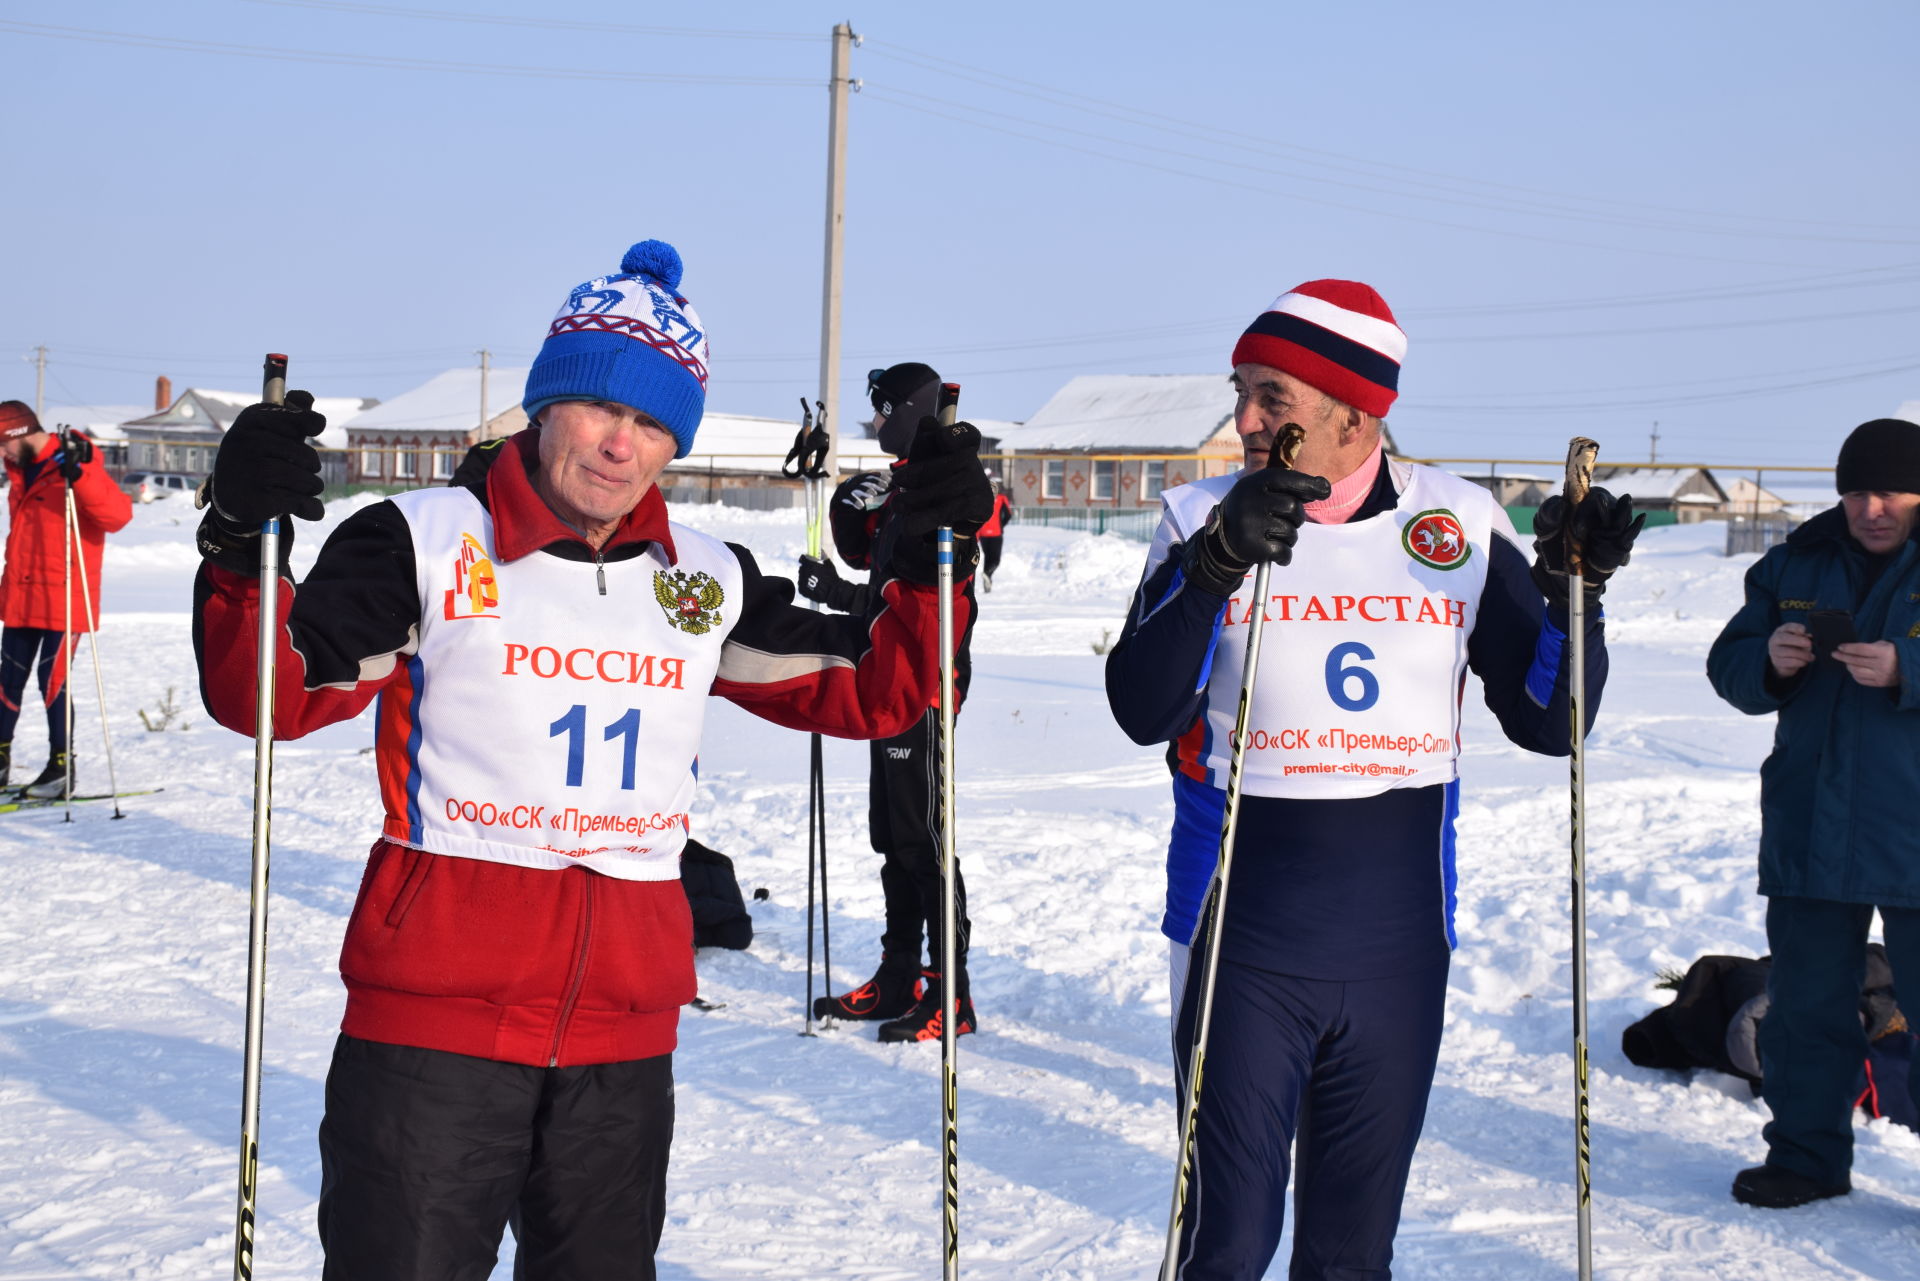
692	601
1435	538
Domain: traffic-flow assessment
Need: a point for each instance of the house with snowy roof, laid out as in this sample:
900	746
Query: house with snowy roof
420	436
183	436
98	423
1690	493
738	459
1117	440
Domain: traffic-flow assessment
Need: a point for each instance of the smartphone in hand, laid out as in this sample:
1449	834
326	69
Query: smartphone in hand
1830	628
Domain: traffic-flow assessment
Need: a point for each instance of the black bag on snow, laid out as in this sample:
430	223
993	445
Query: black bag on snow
1714	1022
720	916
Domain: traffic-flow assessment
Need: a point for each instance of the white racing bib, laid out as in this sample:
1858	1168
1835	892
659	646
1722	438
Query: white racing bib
1364	650
541	723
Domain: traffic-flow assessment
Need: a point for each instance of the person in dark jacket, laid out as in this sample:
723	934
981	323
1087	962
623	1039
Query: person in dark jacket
903	811
542	642
44	602
1829	640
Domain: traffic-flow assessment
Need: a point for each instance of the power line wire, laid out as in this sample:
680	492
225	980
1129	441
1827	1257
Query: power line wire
551	24
1701	398
879	94
1337	161
383	62
1461	201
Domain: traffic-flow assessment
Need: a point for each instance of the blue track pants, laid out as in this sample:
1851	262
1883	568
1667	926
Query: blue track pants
1331	1077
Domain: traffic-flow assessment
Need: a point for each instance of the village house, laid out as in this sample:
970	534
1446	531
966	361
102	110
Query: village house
1118	440
1690	493
98	423
183	433
419	437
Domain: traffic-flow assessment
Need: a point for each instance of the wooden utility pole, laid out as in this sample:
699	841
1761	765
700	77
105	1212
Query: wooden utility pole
837	89
485	356
39	381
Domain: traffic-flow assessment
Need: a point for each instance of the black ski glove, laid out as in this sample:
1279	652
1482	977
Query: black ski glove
1258	520
940	483
75	452
1604	527
265	467
820	581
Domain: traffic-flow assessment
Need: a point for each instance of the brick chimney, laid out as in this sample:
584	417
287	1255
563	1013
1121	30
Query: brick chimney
162	393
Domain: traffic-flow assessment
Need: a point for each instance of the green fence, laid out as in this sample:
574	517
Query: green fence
1137	523
1523	518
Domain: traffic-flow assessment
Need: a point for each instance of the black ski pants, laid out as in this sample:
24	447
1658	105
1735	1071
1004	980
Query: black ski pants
426	1155
903	821
1811	1041
41	650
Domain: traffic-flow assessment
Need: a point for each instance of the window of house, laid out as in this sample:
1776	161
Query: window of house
444	461
1153	479
370	464
405	464
1053	481
1104	471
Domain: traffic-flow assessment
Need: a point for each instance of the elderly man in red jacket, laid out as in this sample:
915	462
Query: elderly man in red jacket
42	602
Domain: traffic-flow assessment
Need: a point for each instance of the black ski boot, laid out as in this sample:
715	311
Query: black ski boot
891	992
6	762
52	782
1774	1187
923	1021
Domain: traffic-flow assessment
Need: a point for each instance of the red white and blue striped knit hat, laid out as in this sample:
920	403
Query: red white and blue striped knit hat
1334	335
632	339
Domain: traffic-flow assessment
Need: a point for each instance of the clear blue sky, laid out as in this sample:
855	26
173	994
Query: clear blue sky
1587	218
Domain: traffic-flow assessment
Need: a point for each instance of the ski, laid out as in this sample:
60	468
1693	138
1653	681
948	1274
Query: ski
13	803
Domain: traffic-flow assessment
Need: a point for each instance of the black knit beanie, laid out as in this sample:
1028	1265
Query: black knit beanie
905	393
1881	456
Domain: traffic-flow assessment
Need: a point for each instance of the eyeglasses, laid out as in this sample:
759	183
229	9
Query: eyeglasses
874	393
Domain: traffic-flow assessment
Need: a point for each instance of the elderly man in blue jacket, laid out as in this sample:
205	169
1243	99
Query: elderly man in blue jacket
1830	639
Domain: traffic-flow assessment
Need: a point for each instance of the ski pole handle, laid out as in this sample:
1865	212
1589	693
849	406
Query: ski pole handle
1292	436
1581	454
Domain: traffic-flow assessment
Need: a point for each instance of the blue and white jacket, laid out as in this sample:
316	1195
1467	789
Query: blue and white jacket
1344	863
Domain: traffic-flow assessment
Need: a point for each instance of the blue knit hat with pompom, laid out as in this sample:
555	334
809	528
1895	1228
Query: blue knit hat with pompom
631	339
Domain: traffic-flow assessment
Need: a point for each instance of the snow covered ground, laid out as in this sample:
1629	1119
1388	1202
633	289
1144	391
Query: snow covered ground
123	953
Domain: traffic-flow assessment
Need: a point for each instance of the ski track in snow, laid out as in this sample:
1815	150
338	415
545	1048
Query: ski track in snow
124	959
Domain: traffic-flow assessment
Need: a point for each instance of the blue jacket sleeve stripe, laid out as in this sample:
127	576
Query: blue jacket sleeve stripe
1548	652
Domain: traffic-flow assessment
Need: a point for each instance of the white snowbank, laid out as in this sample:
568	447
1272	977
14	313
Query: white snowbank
123	952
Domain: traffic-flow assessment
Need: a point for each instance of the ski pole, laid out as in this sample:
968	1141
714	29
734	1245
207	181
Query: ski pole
274	392
947	408
93	649
806	461
1581	453
1214	911
65	657
947	411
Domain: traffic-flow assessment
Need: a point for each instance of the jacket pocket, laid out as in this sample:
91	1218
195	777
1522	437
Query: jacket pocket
418	864
643	948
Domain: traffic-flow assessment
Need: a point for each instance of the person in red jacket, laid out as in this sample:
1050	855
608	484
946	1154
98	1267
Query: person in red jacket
42	604
992	534
543	641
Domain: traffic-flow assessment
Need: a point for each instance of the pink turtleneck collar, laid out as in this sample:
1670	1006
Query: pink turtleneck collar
1339	506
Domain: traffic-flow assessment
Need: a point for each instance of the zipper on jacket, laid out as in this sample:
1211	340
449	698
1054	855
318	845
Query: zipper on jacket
600	570
579	972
